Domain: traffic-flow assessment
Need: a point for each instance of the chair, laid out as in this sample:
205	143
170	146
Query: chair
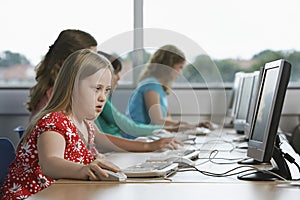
7	155
295	139
20	130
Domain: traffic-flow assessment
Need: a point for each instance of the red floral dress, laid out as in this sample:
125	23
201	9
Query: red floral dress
25	176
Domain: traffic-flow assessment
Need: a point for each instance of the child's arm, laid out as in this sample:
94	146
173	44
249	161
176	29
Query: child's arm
153	106
51	147
109	142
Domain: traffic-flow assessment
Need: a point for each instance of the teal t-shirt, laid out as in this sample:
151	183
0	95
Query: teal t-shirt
113	122
137	110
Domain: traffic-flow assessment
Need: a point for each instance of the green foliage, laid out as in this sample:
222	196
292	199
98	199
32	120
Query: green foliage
8	58
264	57
205	68
130	56
212	71
294	59
267	56
227	69
195	72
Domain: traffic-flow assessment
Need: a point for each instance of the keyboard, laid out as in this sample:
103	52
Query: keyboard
191	154
185	153
151	169
182	157
161	133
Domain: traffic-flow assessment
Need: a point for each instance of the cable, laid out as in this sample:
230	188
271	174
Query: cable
212	157
231	172
217	142
291	159
225	174
287	156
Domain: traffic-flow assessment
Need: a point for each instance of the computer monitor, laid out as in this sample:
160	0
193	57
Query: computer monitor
255	86
233	98
243	102
263	141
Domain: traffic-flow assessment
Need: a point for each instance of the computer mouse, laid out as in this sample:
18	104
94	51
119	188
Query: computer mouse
113	176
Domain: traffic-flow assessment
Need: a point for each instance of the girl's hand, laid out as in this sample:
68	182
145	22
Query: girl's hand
91	170
206	124
183	126
100	156
170	143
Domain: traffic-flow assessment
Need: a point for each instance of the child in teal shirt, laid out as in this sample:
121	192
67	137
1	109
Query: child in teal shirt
113	122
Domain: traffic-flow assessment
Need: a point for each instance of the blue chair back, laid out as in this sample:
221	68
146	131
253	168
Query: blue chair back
7	155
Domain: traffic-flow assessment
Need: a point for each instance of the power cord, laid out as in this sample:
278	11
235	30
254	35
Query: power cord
287	156
232	173
291	159
212	157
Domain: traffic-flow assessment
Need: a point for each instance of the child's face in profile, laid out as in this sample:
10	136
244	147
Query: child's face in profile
176	71
93	93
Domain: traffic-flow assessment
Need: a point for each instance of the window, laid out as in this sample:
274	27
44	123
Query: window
231	35
219	38
29	27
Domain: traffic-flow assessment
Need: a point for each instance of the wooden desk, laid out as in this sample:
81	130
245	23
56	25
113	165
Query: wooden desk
167	191
182	185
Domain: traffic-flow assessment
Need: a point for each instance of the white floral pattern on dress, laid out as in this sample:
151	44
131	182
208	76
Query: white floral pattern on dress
25	150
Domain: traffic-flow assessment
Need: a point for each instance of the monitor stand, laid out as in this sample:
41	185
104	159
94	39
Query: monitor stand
260	176
251	161
281	168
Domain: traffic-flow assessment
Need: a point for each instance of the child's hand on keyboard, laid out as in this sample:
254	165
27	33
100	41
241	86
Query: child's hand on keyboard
208	124
163	143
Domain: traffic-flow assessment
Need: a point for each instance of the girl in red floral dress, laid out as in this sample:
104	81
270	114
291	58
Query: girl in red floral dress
60	140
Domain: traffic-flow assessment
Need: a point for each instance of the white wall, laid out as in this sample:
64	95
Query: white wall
192	105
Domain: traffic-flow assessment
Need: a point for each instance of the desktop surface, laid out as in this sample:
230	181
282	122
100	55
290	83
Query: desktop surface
181	185
163	191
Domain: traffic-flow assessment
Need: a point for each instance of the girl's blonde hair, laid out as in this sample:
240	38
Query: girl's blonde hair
161	63
77	66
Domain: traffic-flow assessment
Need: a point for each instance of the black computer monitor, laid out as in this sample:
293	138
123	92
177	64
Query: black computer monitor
243	102
263	145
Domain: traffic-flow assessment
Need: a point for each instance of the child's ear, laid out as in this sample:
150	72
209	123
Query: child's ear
49	92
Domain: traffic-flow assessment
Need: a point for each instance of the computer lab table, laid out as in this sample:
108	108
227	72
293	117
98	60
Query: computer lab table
218	154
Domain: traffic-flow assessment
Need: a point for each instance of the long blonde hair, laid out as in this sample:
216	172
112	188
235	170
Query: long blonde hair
76	67
161	63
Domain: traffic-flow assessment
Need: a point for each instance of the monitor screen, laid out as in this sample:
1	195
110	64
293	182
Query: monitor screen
243	102
255	86
274	78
